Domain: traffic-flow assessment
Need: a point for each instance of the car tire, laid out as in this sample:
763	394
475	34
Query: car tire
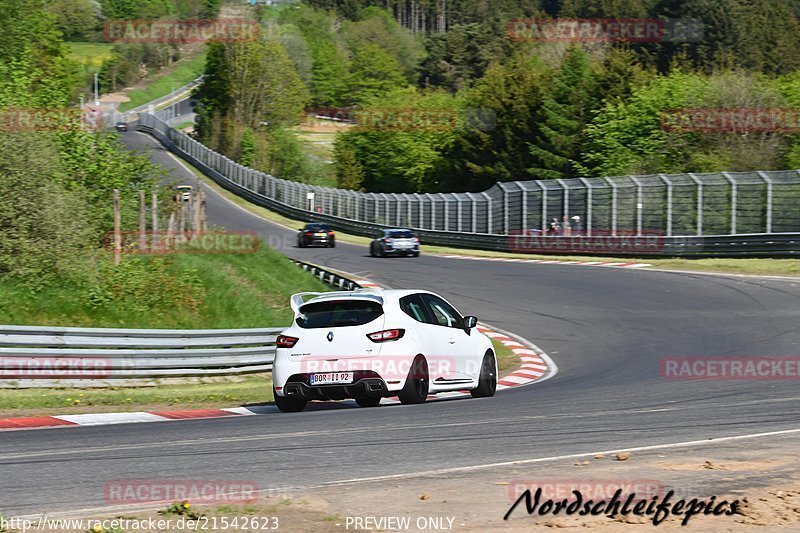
289	405
301	244
487	381
415	254
332	244
372	251
417	385
368	401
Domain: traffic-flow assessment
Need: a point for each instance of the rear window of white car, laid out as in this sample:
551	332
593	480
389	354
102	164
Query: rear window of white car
338	313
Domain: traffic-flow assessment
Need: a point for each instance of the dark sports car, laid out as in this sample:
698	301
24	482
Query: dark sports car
316	234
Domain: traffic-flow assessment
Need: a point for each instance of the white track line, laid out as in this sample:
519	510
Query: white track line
684	444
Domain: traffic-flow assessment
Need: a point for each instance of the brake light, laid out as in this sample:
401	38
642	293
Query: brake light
387	335
309	233
416	239
284	341
330	234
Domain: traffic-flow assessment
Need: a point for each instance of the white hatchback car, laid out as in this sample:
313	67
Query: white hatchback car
370	344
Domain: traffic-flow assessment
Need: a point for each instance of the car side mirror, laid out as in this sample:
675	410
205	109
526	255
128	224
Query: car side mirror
470	322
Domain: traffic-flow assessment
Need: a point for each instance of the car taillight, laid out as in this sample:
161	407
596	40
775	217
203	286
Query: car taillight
387	335
309	233
416	239
284	341
330	234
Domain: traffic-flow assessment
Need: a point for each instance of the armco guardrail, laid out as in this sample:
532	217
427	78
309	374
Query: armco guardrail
270	192
44	356
335	280
166	98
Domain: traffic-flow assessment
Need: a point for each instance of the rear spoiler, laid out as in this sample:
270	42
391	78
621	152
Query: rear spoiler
297	300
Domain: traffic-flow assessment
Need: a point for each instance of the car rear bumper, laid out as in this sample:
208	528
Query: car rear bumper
296	387
402	251
318	240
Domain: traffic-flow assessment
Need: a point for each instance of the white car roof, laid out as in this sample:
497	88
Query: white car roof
380	296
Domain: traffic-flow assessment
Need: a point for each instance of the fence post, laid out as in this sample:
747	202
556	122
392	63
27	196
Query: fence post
565	203
639	205
544	206
666	180
398	204
699	185
474	213
420	202
433	211
613	206
733	201
117	230
764	176
588	224
488	212
446	211
524	214
505	207
458	212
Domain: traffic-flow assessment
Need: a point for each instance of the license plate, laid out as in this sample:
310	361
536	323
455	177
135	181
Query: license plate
404	245
320	234
331	378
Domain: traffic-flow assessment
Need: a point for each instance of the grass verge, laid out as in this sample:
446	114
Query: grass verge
89	55
759	266
507	360
179	291
183	72
206	393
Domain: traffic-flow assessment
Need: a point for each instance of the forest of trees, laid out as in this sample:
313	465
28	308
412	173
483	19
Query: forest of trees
554	109
56	181
84	20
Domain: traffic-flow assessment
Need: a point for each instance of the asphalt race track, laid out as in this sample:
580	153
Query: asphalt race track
607	329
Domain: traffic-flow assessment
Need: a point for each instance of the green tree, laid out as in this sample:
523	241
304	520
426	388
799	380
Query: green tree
329	53
44	227
349	172
34	71
629	137
75	19
136	9
373	74
513	92
404	158
566	109
457	58
376	27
